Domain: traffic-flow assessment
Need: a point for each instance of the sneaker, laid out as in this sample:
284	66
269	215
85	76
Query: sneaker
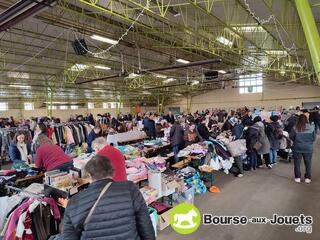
240	175
260	166
307	180
297	180
275	163
270	166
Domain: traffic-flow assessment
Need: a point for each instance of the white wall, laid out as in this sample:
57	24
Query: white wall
274	96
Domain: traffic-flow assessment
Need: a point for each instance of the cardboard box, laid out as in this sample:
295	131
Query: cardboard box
164	220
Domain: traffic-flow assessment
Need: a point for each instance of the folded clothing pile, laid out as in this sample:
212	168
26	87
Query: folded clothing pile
126	149
194	149
149	194
81	161
136	169
156	163
155	142
138	146
192	179
225	137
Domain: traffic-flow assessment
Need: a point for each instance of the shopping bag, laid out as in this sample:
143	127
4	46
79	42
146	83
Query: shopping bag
237	148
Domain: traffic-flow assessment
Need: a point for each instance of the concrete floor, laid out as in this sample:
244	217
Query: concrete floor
259	193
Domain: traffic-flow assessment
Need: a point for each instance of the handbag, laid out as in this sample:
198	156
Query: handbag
95	204
237	147
257	146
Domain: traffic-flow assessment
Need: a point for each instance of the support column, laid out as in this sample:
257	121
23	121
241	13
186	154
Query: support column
311	32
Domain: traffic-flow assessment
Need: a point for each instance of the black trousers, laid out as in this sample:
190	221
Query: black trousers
265	157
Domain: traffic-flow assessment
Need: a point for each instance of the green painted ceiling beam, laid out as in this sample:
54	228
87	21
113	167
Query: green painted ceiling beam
311	32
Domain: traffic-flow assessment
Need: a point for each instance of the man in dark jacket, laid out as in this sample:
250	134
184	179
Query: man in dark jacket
237	133
203	130
91	137
177	139
149	126
274	134
170	118
290	122
251	136
121	212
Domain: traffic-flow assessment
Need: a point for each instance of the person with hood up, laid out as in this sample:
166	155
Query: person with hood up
263	146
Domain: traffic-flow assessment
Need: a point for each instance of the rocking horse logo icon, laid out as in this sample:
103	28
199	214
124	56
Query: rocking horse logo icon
185	218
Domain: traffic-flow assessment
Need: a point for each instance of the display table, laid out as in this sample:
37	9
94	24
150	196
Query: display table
129	136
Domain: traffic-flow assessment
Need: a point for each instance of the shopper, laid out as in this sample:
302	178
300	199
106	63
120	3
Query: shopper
170	117
50	156
315	117
152	127
118	161
203	130
40	130
177	139
290	122
95	133
191	135
274	133
19	150
149	126
303	136
251	135
264	144
237	132
120	213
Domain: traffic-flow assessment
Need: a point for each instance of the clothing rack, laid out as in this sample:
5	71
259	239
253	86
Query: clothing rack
25	191
68	123
14	129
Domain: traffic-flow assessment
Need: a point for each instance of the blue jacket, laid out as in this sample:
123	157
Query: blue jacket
91	137
237	131
150	127
14	153
303	141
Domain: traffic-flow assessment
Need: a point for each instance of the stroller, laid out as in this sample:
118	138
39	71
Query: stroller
285	151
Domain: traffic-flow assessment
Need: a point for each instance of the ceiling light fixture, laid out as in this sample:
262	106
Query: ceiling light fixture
222	71
195	82
22	75
104	39
293	65
19	86
182	61
225	41
169	80
78	67
277	52
249	29
160	76
133	75
102	67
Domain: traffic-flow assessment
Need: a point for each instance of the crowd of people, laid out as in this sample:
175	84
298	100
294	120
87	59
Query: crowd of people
107	168
262	135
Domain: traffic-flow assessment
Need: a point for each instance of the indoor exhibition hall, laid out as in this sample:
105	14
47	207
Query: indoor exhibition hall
159	119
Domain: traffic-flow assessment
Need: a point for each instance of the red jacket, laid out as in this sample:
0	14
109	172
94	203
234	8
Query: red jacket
117	161
50	156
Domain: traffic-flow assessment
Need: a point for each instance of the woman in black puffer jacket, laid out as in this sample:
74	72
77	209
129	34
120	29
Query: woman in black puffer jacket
121	213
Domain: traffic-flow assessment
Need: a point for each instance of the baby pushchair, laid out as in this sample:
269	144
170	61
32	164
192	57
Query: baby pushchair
285	151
